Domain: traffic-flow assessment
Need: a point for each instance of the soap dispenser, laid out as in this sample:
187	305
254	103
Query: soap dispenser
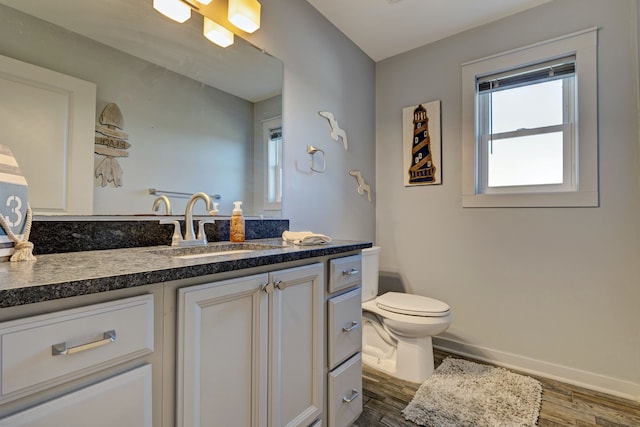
237	223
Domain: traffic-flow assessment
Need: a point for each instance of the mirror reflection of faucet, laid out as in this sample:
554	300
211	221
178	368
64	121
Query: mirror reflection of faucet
167	204
190	238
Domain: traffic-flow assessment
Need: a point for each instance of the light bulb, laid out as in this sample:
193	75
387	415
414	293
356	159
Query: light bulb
216	33
245	14
173	9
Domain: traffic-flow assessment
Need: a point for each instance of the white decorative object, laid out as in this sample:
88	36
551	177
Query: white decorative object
336	131
15	213
362	185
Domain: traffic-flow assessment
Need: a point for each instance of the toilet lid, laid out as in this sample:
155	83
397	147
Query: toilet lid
414	305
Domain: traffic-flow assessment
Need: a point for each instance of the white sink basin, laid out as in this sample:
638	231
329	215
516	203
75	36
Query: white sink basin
211	254
212	250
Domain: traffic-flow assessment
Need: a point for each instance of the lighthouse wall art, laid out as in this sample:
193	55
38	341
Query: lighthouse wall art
422	148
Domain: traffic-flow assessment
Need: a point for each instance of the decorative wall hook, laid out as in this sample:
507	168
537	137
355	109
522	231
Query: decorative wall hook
363	187
312	151
336	131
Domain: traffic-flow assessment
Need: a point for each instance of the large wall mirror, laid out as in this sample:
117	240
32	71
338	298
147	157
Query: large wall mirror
198	117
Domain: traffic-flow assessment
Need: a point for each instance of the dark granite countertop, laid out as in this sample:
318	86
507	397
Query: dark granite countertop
70	274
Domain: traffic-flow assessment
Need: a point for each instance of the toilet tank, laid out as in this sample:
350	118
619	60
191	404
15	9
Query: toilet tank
370	267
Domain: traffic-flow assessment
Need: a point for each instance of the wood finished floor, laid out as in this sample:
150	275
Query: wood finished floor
562	404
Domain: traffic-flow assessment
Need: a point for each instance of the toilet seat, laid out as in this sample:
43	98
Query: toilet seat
413	305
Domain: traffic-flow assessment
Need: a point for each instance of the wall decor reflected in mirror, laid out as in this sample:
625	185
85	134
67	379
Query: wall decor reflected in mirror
199	117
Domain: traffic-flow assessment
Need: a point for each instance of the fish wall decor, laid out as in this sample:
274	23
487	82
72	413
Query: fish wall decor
111	142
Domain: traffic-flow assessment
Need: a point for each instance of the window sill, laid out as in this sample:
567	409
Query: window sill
572	199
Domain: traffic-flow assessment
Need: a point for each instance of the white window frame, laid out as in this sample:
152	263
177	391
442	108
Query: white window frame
485	138
268	177
581	169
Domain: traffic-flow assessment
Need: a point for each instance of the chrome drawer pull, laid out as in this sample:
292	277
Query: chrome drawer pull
350	328
354	396
61	349
281	285
351	272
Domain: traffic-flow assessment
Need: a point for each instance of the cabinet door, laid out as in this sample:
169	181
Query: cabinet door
296	346
124	400
222	353
48	122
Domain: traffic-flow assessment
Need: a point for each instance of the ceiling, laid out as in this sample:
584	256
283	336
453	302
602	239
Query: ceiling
384	28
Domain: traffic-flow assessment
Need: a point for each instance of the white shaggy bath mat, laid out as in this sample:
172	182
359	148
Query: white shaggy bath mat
461	393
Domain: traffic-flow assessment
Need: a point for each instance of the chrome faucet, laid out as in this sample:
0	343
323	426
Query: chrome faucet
190	238
167	204
189	235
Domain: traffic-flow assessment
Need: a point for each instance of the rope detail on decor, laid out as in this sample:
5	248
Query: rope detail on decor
23	248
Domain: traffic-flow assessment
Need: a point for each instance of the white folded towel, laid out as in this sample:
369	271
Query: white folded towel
305	238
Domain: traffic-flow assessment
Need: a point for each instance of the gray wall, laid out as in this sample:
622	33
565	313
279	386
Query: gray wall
549	290
323	70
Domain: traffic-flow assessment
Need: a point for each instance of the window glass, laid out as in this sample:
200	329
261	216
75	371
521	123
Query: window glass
274	167
524	143
527	107
528	160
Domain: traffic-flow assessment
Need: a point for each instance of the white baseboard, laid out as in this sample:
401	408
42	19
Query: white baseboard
613	386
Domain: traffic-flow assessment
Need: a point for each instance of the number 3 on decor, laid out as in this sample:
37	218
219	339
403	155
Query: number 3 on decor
14	201
14	214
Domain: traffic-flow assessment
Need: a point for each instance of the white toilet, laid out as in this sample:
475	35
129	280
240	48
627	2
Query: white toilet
397	327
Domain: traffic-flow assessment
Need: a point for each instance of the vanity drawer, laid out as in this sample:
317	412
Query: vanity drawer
344	326
345	393
344	272
42	351
121	400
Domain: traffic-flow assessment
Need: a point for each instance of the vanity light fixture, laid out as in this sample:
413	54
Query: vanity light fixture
173	9
216	33
243	14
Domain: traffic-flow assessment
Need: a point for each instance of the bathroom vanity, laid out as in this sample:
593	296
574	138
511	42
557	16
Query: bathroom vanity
147	336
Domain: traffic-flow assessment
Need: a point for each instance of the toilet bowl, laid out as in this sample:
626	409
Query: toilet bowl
397	327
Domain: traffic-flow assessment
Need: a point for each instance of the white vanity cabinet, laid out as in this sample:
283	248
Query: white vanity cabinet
250	350
265	345
344	341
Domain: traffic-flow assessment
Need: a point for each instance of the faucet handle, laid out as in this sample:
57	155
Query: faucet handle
201	234
177	233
